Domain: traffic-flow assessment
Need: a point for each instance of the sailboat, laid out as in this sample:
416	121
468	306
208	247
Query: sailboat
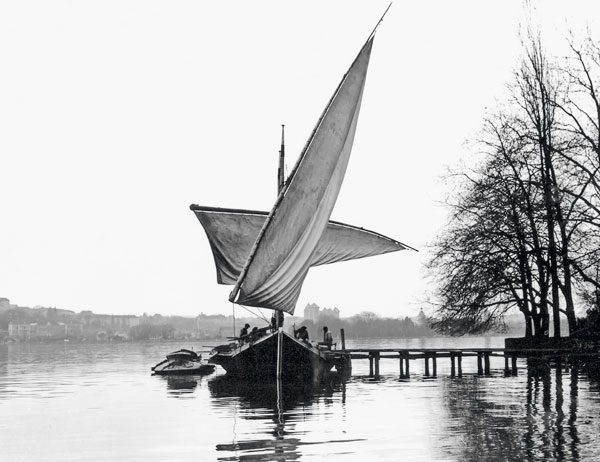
266	255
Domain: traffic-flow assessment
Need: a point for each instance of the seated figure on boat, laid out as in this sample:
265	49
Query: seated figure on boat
301	334
327	339
244	333
254	334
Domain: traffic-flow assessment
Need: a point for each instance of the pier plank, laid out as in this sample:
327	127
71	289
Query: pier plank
405	355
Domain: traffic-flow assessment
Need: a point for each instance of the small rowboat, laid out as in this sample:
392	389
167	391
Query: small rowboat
183	362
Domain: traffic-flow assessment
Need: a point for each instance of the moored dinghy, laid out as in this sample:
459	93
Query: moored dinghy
183	362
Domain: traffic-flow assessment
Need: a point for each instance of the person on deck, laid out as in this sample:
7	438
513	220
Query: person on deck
327	337
297	331
244	333
302	334
273	321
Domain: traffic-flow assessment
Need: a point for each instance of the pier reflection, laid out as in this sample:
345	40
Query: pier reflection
539	421
275	409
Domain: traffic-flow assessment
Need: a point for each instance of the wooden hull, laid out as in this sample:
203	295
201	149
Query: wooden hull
258	360
184	368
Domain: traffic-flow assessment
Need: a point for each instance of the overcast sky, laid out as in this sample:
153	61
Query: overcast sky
115	116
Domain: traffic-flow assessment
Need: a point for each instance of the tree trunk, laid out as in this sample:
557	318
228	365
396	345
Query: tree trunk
528	323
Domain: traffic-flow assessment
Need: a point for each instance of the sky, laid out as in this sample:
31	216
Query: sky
115	116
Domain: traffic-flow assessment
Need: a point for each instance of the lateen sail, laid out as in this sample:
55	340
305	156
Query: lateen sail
285	248
232	233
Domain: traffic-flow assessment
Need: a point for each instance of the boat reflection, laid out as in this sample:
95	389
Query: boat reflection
270	394
178	385
275	407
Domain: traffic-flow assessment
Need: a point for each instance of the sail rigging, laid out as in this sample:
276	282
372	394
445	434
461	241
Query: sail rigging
280	258
266	256
232	232
280	170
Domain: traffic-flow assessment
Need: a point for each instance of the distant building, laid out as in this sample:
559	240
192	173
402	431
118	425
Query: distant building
113	321
74	330
44	331
330	313
154	320
49	331
421	319
126	320
21	331
313	312
102	320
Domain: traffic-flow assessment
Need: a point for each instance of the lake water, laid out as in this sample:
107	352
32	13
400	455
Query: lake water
78	402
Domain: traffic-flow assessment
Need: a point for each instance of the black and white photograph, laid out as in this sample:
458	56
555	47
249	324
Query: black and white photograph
299	230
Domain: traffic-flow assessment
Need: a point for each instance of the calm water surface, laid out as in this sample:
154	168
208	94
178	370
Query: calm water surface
70	402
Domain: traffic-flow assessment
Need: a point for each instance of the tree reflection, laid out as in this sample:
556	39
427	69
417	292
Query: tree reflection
536	422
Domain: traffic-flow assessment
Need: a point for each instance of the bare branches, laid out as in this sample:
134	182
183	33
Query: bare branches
525	222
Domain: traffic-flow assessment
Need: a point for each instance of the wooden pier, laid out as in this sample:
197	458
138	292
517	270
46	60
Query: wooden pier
430	356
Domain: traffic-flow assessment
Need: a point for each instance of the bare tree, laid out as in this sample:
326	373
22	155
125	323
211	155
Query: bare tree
525	223
486	261
581	109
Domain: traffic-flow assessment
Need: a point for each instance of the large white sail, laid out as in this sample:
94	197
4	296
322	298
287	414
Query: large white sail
283	252
232	233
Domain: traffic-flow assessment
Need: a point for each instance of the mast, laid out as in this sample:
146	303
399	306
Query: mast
280	172
278	313
280	183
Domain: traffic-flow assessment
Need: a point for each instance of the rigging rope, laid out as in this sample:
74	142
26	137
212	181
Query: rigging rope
233	308
258	316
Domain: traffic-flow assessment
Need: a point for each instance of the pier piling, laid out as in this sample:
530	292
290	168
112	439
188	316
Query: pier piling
431	355
401	361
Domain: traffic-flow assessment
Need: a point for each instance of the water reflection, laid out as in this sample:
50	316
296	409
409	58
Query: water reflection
592	370
278	407
180	385
533	423
99	402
